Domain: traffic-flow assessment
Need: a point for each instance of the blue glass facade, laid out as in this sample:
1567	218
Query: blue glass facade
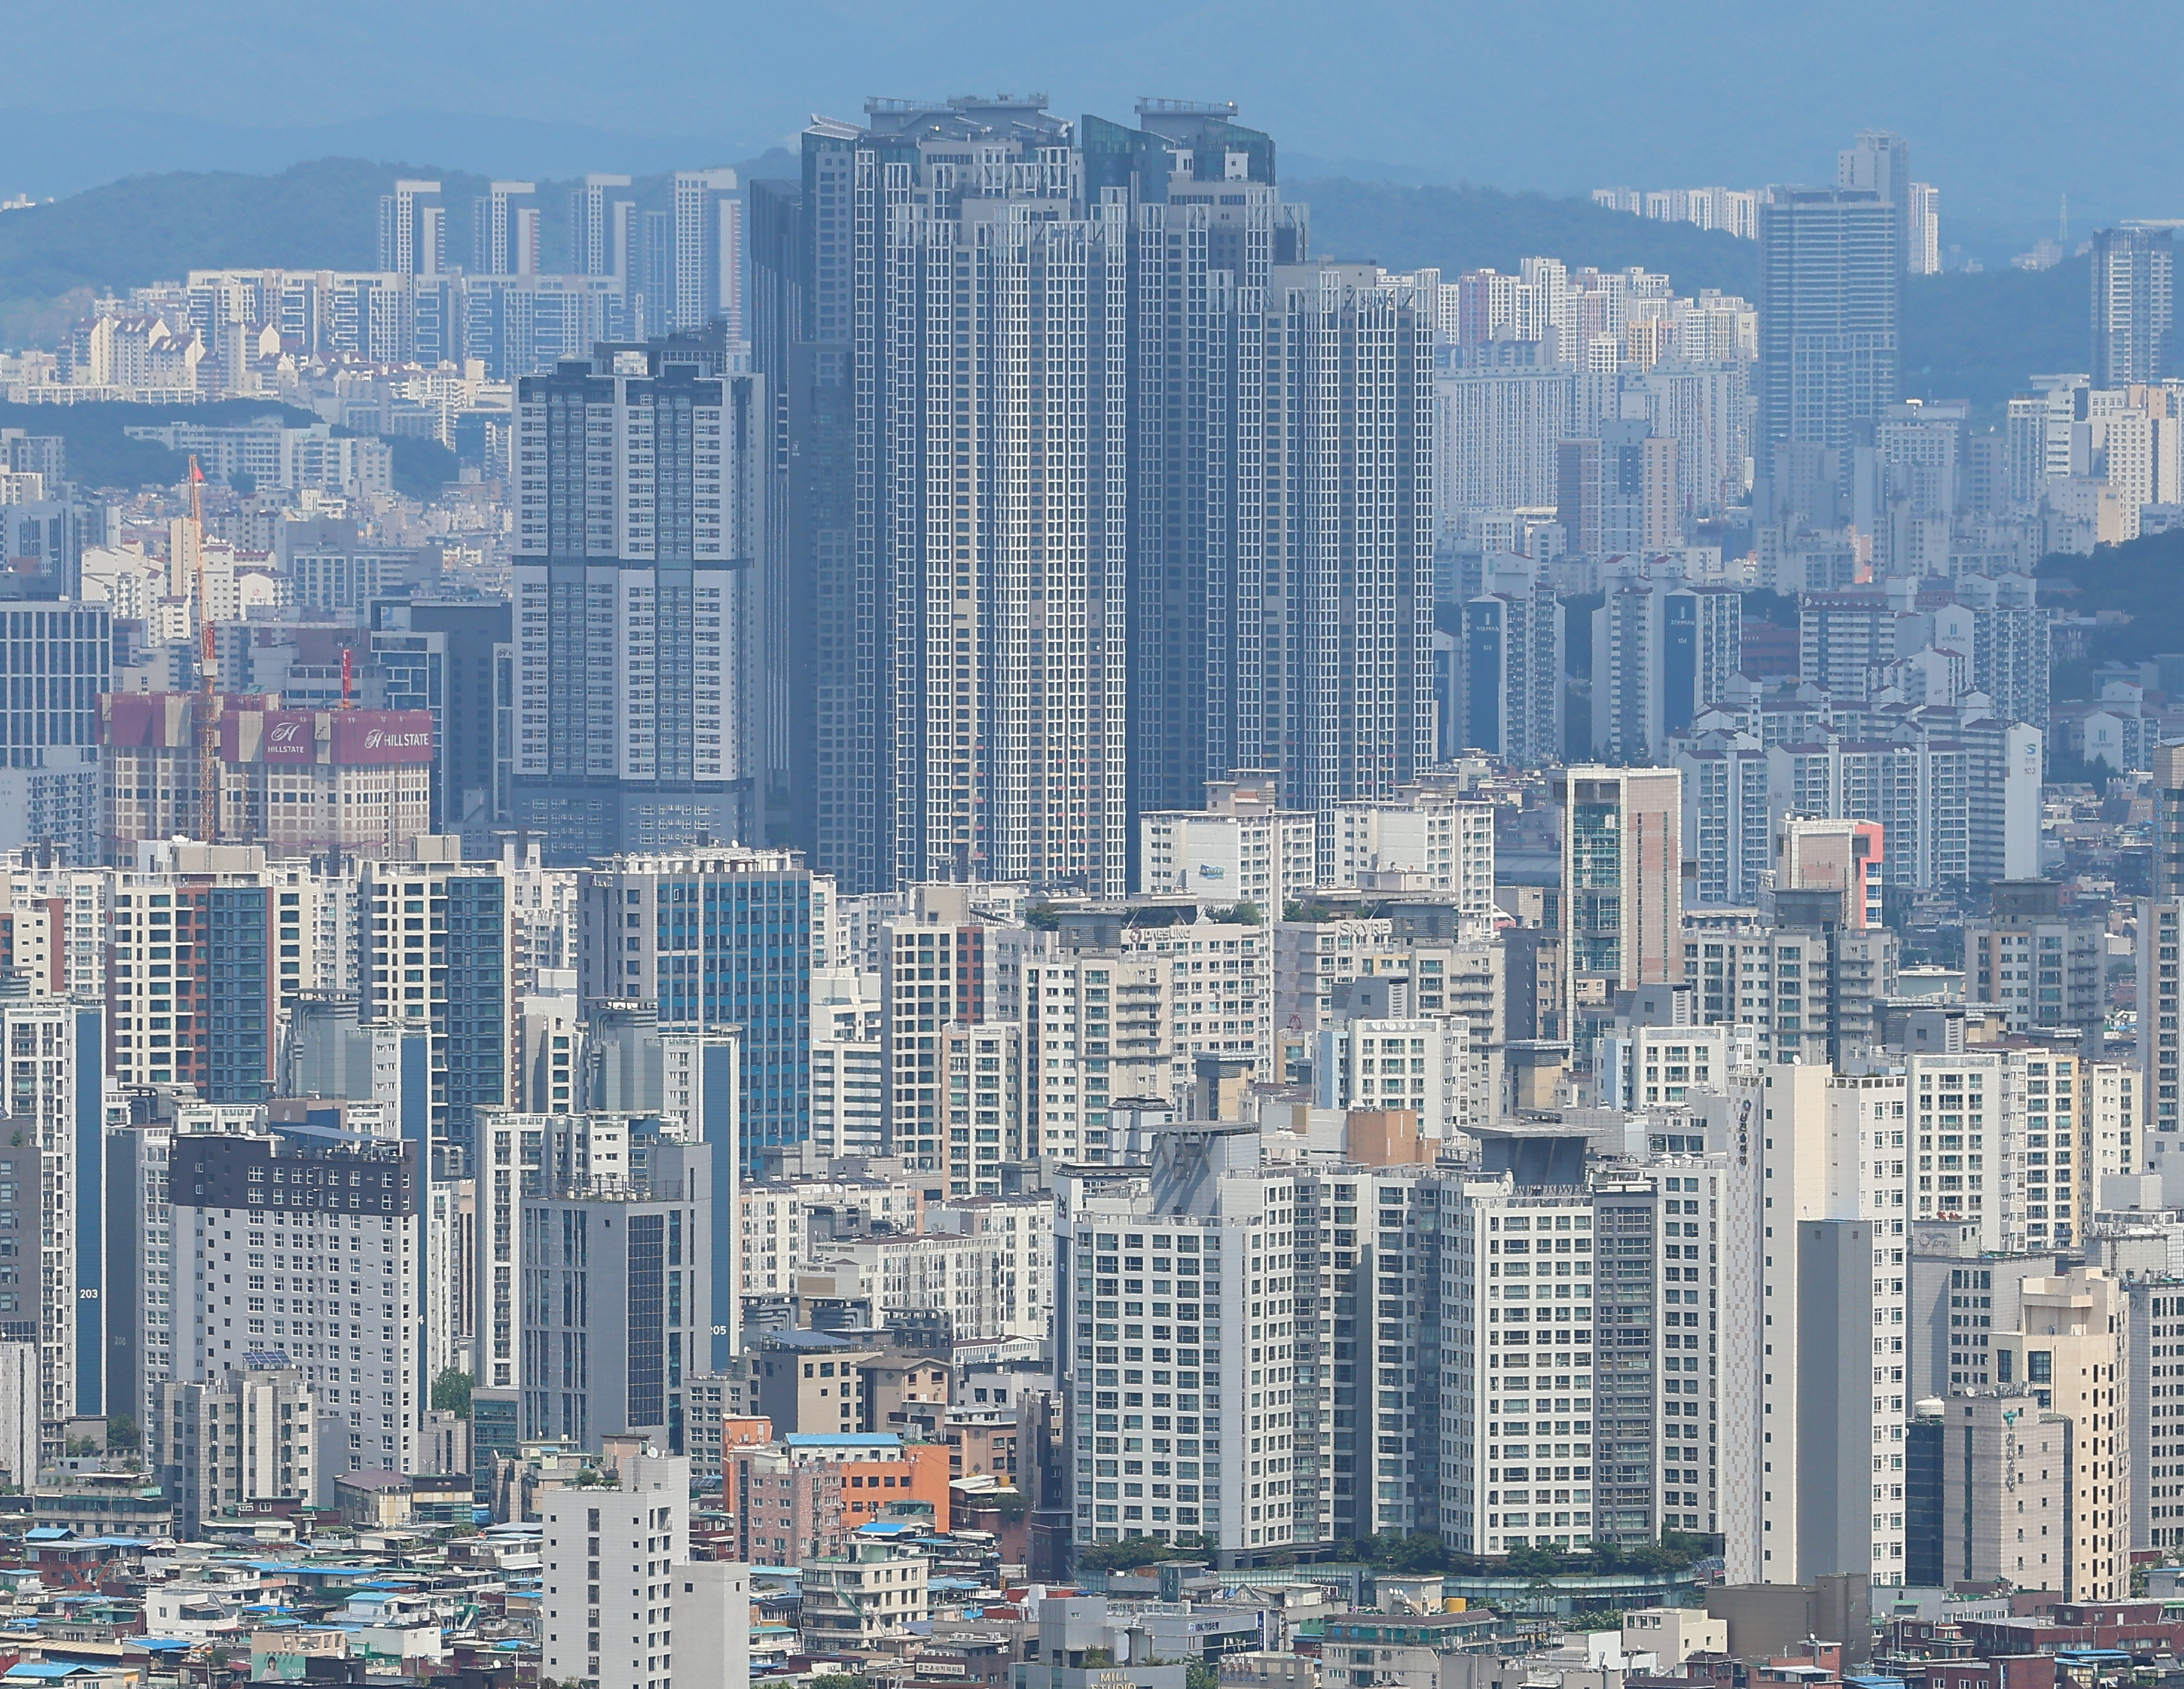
475	1027
238	1005
719	949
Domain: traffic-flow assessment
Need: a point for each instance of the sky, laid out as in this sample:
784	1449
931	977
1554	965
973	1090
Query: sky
2008	105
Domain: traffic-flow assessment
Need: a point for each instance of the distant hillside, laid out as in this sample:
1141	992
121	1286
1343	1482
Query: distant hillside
1970	336
319	215
1975	336
146	228
1978	336
100	453
2143	579
1473	228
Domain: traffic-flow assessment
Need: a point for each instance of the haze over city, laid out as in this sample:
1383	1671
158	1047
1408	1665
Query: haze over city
1156	848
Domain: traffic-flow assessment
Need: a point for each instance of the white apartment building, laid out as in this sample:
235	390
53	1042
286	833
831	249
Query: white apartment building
1021	1231
1960	1106
1827	1398
1183	1347
2154	1411
1220	992
1241	848
85	896
985	1090
53	1057
450	1274
1520	1393
1694	1313
1422	1064
154	1015
241	1437
435	943
1098	1026
315	920
939	968
860	1600
622	1599
2048	1191
1654	1067
1423	842
2113	1099
1327	972
2012	1144
542	911
328	1281
849	1099
139	1156
981	1265
783	1223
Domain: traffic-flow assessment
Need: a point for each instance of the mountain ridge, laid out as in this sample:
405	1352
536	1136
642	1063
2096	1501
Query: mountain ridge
1976	336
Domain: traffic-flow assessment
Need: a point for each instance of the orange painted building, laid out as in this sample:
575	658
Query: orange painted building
877	1470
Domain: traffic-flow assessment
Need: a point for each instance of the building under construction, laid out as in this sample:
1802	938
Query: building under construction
301	783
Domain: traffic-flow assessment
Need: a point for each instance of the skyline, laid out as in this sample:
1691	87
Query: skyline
1984	118
1497	818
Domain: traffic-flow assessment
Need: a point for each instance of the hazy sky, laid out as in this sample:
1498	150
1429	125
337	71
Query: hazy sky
2008	104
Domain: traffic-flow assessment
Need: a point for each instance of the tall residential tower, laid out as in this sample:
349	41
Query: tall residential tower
640	510
1100	489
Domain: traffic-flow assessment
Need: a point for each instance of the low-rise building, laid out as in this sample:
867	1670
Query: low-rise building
860	1599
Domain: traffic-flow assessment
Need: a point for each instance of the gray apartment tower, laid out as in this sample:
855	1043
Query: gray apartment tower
1830	296
641	519
413	230
1099	490
2134	304
707	251
1510	665
1879	161
504	230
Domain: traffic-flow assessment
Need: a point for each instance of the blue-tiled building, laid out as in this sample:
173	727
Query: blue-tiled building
715	939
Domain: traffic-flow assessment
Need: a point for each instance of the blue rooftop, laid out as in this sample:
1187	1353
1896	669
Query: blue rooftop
842	1439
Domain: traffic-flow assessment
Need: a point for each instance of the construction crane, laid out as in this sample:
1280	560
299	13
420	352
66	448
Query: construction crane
208	671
